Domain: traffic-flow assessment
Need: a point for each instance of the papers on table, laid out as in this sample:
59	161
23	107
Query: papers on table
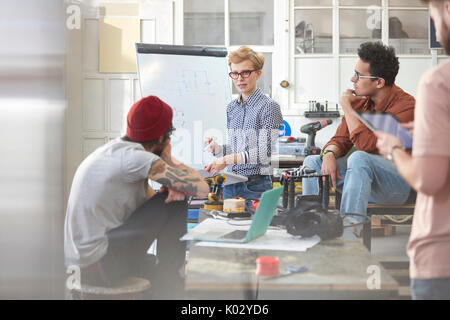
274	239
232	178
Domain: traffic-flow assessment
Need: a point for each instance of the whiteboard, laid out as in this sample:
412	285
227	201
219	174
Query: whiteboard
194	82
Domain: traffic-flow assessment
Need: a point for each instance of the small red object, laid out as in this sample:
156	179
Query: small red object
255	204
267	266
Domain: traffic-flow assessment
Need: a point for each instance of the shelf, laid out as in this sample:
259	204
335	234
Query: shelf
322	114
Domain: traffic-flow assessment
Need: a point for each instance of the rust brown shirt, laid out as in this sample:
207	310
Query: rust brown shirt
397	102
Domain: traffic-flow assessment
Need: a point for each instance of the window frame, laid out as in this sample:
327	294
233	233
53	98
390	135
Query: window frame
266	49
298	107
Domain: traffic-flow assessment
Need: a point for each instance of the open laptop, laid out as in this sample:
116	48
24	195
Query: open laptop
260	223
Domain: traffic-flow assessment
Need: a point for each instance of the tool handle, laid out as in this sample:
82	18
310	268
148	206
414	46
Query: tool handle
291	193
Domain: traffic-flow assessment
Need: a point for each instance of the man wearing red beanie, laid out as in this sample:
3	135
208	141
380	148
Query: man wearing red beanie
113	216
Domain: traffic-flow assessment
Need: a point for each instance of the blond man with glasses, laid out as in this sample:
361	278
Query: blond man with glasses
253	123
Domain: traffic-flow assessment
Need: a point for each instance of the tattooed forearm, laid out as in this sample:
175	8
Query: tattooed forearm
165	182
158	166
178	179
183	179
179	172
187	188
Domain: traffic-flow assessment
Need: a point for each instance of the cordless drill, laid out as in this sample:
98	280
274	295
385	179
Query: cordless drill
311	129
215	197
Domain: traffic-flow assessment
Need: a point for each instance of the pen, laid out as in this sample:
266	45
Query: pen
213	139
289	270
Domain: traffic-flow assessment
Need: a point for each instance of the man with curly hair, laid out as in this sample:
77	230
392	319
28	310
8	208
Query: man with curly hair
365	176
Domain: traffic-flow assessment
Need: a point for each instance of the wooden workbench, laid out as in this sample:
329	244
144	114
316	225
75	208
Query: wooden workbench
337	269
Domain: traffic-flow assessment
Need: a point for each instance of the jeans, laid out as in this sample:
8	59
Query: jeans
430	289
251	189
366	178
128	245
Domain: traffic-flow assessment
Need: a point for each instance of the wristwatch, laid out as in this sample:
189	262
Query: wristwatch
324	152
389	155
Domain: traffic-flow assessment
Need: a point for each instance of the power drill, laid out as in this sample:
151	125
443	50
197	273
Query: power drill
215	200
310	129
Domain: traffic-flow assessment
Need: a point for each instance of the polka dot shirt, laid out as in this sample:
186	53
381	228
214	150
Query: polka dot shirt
252	131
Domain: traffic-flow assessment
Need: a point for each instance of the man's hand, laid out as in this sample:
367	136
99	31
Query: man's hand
216	166
329	166
173	195
386	142
347	99
211	146
409	126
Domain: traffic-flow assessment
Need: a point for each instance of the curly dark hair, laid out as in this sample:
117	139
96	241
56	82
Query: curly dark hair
382	60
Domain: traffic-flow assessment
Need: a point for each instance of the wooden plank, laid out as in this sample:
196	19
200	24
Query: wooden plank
383	231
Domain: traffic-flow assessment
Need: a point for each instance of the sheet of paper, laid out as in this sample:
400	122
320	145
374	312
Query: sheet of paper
218	223
274	239
232	178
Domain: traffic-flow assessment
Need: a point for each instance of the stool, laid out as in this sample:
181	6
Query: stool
129	289
380	209
377	209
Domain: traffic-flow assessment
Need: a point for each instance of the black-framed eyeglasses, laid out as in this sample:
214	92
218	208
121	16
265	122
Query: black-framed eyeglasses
244	74
358	76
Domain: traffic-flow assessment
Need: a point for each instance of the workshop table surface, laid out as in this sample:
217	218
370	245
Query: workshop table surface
337	269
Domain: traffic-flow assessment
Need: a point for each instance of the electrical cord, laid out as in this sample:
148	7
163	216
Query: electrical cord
239	224
404	218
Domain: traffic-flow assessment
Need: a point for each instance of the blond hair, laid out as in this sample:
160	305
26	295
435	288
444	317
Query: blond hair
246	53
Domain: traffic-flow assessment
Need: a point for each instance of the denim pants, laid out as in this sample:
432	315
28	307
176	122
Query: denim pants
430	289
128	245
251	189
366	178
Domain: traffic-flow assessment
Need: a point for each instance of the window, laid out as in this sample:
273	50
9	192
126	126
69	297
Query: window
313	31
313	3
363	3
407	3
321	71
408	31
250	22
204	22
357	26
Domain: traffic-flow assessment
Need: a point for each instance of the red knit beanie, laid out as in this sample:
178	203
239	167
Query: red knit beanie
148	119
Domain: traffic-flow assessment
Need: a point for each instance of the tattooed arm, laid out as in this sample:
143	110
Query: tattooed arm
180	178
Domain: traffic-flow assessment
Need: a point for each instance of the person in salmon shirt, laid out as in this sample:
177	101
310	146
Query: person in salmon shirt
427	170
